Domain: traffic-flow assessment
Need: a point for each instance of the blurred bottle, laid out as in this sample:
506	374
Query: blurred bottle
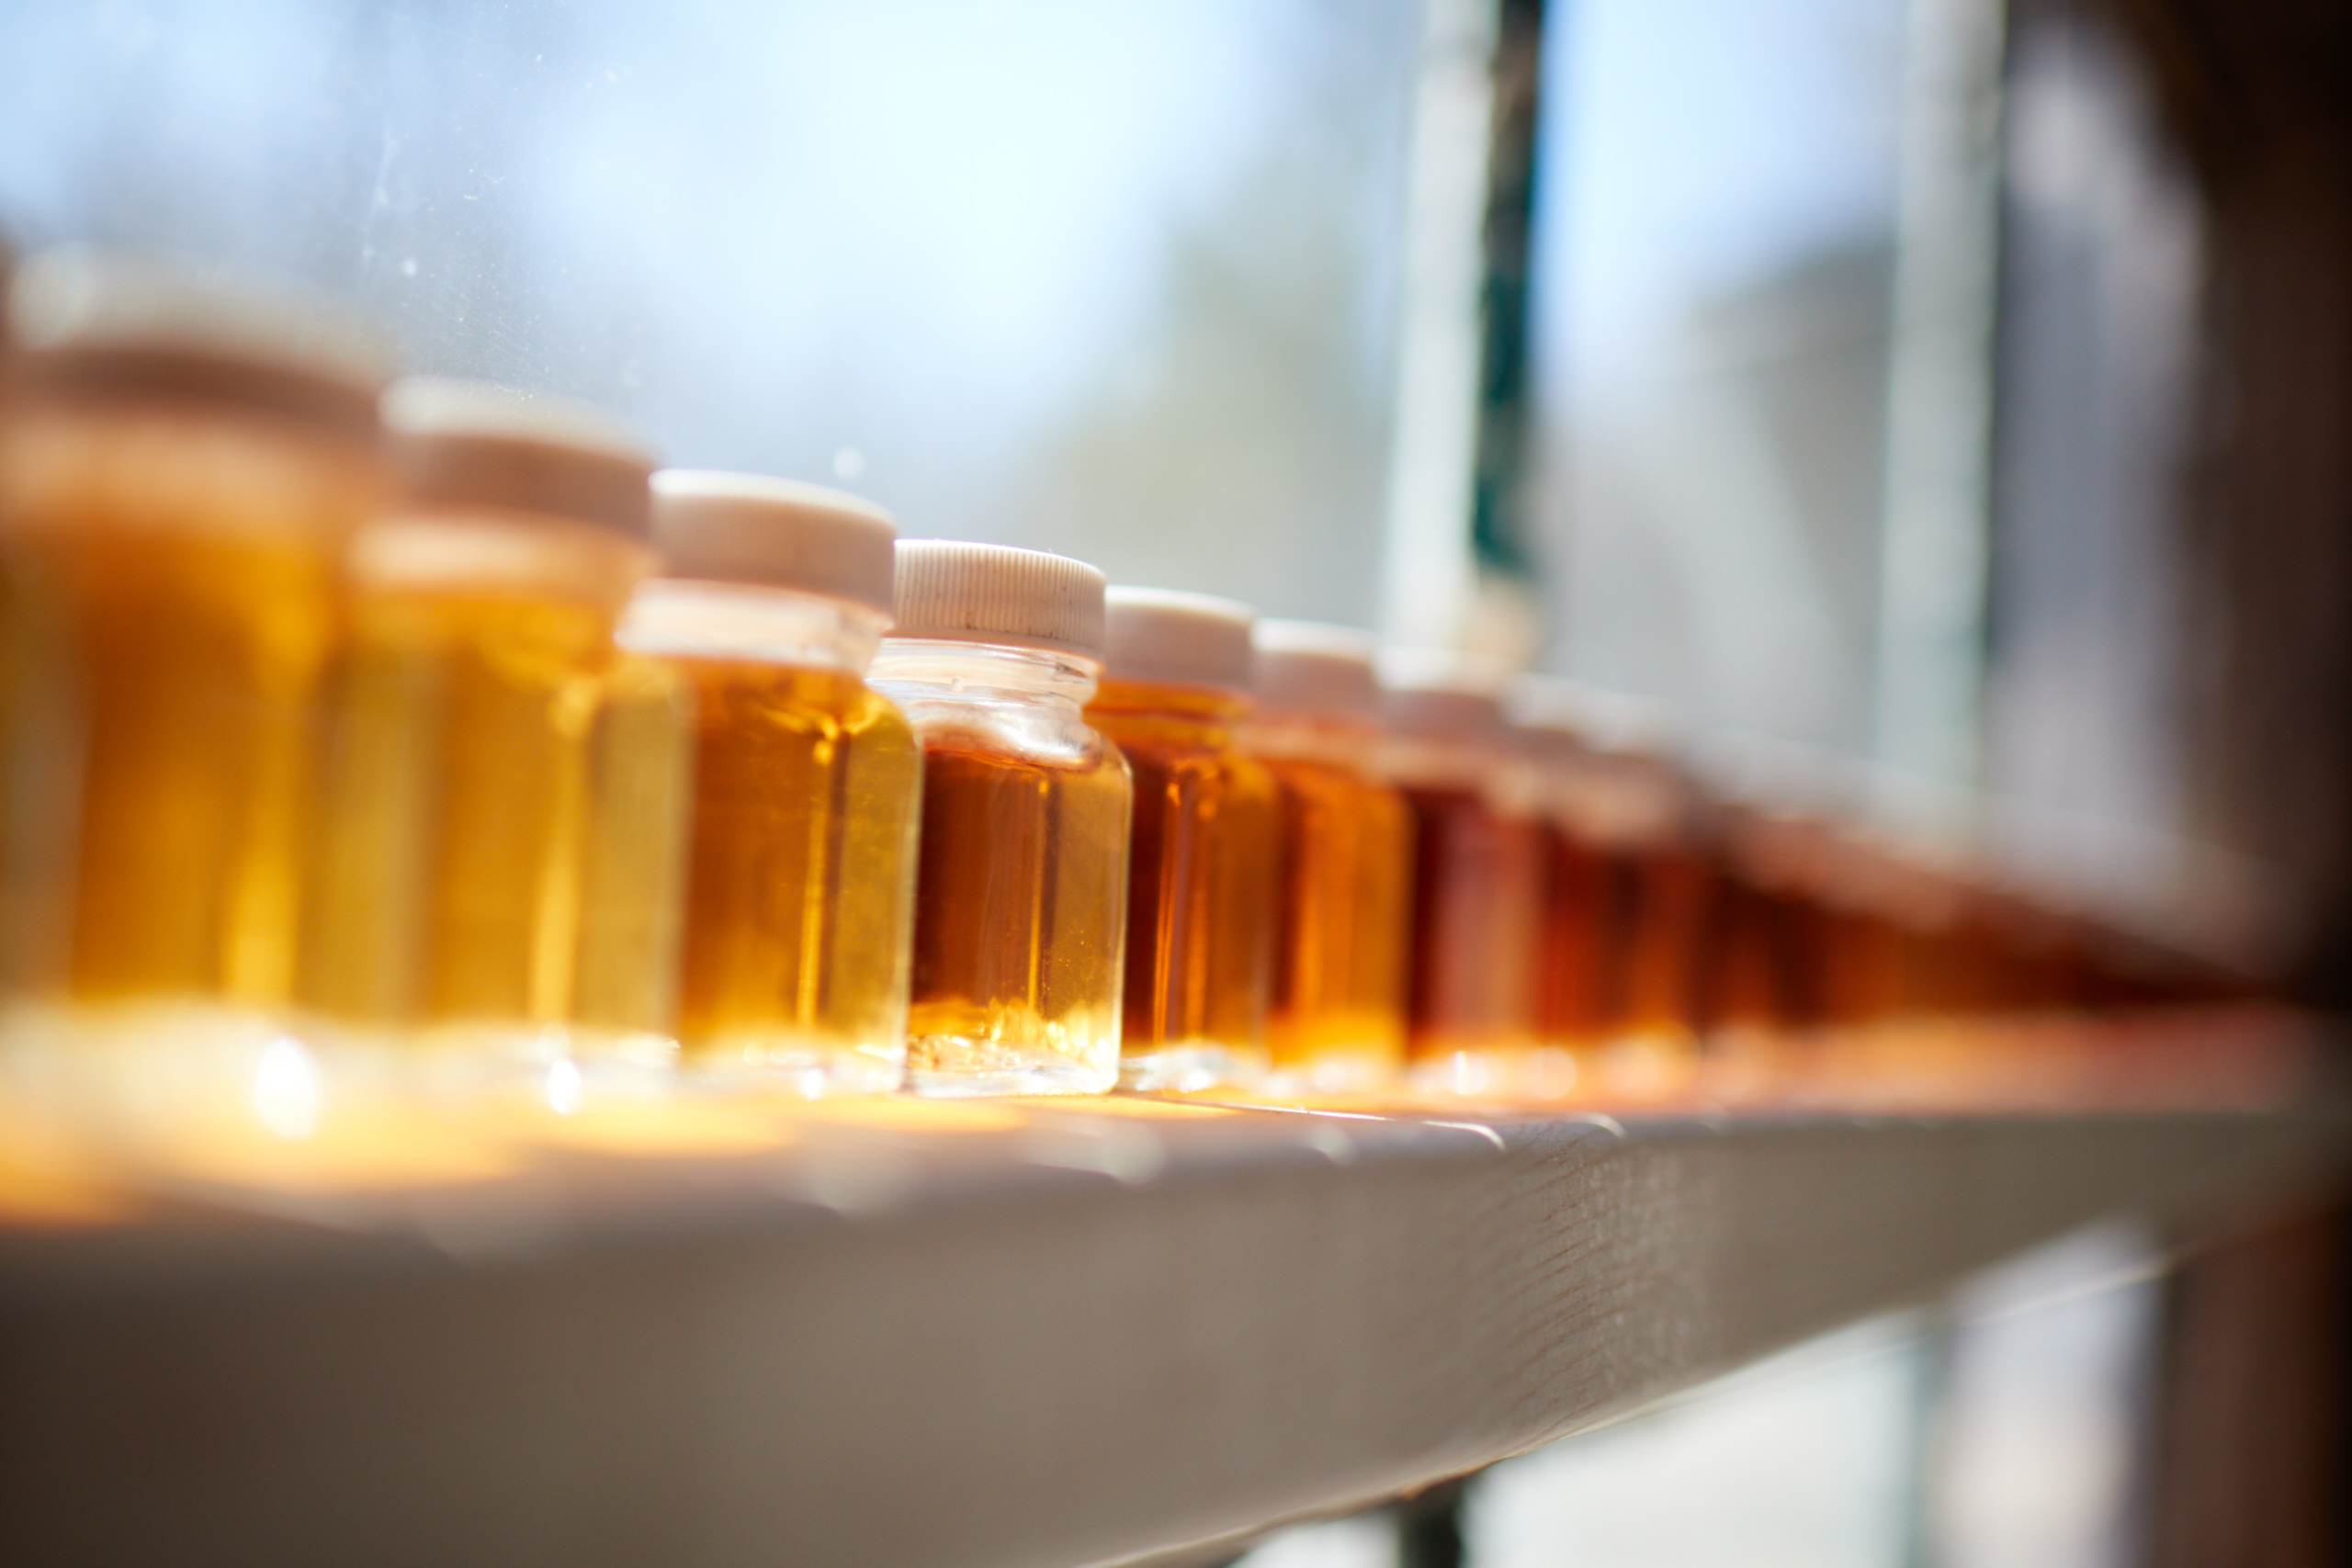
1575	994
1477	871
1644	816
456	877
1863	961
1020	895
1177	672
1916	911
1929	906
1760	961
1766	953
1337	1021
1637	887
800	890
183	463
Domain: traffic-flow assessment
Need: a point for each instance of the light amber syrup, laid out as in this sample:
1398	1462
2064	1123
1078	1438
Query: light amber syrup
1200	887
1021	886
800	878
455	875
1344	852
633	880
186	568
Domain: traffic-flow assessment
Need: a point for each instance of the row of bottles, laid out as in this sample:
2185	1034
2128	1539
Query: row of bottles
428	721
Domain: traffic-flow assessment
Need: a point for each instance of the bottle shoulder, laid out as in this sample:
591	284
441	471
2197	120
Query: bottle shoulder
795	697
1011	734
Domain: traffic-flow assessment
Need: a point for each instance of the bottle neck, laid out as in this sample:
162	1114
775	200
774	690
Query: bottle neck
1207	715
442	550
1338	740
683	617
939	669
1485	765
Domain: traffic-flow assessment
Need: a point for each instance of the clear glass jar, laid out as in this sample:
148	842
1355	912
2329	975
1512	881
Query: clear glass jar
1337	1020
1638	814
1201	885
1020	895
800	874
176	509
469	783
1478	870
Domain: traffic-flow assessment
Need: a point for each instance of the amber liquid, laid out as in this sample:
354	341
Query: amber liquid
801	875
1673	889
1862	968
196	567
1201	885
1477	922
40	746
1663	894
1338	1012
1020	906
455	874
1574	994
633	882
1749	1007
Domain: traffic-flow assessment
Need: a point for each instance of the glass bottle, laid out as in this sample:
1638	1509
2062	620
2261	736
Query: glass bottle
1344	880
1749	1010
183	466
1177	672
1642	812
469	794
1862	980
1477	871
800	870
1771	967
1020	888
1577	967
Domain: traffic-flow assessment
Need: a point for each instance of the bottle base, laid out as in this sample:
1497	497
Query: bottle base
804	1069
1191	1069
945	1066
1338	1072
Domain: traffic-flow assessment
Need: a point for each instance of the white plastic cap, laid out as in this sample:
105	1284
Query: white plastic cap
1550	713
1439	695
90	318
1308	667
1779	777
1623	722
774	533
1184	639
1603	720
471	443
967	592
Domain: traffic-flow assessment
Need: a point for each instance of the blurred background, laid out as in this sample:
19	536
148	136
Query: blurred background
1955	393
1113	280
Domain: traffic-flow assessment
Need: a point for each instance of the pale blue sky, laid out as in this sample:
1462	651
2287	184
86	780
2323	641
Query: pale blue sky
1692	145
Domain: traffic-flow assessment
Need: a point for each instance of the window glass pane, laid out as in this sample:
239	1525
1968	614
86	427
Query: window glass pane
1113	280
1714	258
